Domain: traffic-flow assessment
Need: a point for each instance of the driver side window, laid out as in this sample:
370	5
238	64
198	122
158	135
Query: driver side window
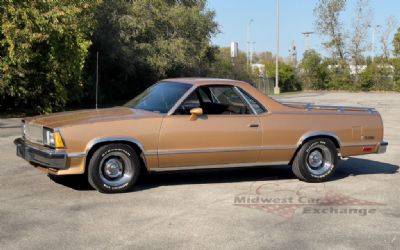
214	100
191	102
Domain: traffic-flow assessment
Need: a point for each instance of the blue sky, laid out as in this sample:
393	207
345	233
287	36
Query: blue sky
296	16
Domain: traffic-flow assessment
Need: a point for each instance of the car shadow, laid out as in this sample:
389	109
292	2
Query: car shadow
77	182
351	167
358	166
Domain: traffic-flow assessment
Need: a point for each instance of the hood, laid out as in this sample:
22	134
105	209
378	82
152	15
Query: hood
71	118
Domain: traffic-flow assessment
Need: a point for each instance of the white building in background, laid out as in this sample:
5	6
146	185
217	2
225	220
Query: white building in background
353	68
361	68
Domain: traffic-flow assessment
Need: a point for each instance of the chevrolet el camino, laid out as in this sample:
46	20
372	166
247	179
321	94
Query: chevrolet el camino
196	123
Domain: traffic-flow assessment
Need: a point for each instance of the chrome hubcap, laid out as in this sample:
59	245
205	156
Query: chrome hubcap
319	160
315	159
113	168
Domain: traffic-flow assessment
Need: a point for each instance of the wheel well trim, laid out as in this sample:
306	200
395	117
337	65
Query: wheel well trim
94	142
313	134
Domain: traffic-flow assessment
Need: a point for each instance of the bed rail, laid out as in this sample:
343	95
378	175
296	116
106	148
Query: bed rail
311	106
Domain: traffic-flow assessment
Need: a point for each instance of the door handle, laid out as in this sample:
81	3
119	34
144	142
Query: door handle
253	125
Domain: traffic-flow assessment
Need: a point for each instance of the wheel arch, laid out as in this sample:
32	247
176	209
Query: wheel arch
314	135
93	145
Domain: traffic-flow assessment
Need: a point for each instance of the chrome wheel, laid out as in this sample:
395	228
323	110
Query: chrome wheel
319	160
115	169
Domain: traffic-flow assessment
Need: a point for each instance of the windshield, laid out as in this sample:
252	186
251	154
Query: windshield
160	97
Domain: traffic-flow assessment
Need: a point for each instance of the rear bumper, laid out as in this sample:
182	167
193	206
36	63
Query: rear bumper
43	157
382	147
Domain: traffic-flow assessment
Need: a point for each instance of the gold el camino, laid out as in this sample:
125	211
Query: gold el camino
198	123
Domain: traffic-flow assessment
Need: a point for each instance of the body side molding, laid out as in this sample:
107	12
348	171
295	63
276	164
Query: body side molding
229	165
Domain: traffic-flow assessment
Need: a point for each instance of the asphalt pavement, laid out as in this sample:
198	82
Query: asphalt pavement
247	208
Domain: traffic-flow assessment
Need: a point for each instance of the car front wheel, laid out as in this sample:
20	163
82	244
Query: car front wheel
113	168
316	160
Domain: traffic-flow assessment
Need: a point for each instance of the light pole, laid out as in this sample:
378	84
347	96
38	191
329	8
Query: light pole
277	89
248	41
373	40
251	52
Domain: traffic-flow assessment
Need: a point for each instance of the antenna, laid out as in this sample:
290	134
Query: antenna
97	75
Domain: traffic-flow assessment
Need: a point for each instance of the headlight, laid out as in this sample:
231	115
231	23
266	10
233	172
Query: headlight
52	138
48	137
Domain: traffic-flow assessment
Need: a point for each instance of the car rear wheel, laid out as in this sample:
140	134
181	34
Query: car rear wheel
113	168
315	161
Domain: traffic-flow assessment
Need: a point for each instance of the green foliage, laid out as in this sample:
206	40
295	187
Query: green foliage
338	75
378	76
313	73
224	67
287	79
142	41
328	23
48	51
48	48
43	46
396	75
396	43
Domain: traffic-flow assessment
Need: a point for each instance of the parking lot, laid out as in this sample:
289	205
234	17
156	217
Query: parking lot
211	209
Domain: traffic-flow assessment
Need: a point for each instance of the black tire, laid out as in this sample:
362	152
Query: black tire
315	161
113	168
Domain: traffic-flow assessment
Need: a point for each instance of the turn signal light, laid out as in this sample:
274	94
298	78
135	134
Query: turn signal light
58	141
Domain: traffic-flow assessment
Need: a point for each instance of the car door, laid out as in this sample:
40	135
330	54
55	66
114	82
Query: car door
228	132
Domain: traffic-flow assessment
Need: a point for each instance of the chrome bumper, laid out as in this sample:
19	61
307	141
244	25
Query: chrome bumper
43	157
382	147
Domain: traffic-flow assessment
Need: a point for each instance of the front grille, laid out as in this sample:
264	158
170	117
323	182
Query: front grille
34	133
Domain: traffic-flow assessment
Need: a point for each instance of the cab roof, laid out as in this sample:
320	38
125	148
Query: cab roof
269	103
203	81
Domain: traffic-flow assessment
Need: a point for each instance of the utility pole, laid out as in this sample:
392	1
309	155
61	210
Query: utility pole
248	42
277	89
307	40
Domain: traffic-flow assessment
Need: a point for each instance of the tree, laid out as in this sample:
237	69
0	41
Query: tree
312	72
358	44
384	39
224	67
396	43
142	41
287	79
263	57
378	76
328	24
43	46
396	61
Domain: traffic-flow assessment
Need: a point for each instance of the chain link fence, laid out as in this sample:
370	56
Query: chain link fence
265	85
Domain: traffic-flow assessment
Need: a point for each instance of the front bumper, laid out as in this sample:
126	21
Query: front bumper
39	156
382	146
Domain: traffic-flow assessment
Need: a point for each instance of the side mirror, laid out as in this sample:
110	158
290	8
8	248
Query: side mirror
196	112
